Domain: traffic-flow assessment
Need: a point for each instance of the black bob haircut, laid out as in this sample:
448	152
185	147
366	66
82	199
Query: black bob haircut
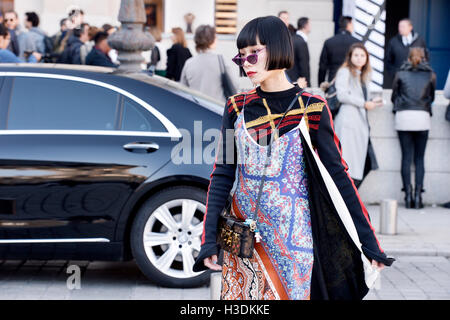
273	33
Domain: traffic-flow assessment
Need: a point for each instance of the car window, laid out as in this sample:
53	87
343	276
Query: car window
56	104
137	118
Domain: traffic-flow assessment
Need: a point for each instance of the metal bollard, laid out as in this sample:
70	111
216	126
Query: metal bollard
215	285
388	217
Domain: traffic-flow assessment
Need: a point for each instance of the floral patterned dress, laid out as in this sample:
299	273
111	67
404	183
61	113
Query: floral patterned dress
281	266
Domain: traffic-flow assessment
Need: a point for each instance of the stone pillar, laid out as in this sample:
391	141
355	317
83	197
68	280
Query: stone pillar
131	40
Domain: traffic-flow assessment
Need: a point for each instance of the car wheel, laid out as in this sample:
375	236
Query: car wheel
166	237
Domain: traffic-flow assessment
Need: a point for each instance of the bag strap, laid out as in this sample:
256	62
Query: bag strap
269	153
221	64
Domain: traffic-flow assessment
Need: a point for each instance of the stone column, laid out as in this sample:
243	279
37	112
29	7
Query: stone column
130	40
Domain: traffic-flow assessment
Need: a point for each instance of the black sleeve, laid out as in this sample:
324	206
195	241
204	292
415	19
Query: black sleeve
395	90
330	153
431	92
303	61
323	64
390	59
220	184
171	64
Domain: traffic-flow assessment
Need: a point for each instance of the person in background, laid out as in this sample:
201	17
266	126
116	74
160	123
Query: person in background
284	16
351	123
158	55
109	29
71	54
177	55
113	55
99	53
412	94
76	17
36	34
335	50
194	75
1	18
59	36
6	56
398	48
87	46
74	20
21	43
300	72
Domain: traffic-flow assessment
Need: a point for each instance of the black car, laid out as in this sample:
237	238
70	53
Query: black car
87	168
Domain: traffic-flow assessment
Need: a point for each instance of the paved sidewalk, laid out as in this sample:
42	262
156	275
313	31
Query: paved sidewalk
414	278
422	269
424	232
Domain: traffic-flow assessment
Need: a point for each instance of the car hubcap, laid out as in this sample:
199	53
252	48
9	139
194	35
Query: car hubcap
172	237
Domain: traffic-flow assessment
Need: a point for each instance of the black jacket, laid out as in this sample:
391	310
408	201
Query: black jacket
71	53
301	60
413	87
176	57
333	54
397	52
14	43
98	58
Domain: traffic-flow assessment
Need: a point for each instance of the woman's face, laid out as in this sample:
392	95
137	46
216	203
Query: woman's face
4	41
256	72
359	58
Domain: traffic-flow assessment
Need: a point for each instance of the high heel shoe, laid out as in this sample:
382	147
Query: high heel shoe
418	197
408	197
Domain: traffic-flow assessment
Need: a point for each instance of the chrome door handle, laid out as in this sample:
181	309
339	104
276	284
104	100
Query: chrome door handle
148	147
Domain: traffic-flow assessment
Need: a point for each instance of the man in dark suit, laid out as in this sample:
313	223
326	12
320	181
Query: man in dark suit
300	72
99	53
335	49
398	48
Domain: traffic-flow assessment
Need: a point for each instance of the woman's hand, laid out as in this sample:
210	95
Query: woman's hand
369	105
37	55
302	83
211	263
376	264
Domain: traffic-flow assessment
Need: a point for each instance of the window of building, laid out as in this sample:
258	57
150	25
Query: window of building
154	14
6	5
226	16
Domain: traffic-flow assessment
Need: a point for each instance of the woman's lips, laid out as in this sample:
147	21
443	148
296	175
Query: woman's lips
251	73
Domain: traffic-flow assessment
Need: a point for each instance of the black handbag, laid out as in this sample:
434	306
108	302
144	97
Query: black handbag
331	96
227	84
237	236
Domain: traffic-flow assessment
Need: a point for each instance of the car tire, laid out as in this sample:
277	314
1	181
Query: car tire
166	236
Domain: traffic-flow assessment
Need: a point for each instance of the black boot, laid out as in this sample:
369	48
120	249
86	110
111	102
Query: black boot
408	197
418	197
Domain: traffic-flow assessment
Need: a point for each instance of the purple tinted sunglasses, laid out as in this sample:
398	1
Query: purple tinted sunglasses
251	58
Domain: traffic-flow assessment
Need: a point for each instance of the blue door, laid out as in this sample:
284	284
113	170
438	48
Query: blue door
431	19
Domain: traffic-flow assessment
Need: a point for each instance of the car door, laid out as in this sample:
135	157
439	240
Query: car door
72	150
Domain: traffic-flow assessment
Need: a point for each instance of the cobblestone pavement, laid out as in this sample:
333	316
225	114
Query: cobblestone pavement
410	278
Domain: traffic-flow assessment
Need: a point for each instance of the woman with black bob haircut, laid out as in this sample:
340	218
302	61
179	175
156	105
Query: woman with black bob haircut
312	241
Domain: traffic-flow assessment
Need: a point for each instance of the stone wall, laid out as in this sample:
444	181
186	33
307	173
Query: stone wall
385	183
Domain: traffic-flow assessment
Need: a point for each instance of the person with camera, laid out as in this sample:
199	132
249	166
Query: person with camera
7	56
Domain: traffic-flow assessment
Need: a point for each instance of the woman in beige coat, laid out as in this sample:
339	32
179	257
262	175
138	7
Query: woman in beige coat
351	123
